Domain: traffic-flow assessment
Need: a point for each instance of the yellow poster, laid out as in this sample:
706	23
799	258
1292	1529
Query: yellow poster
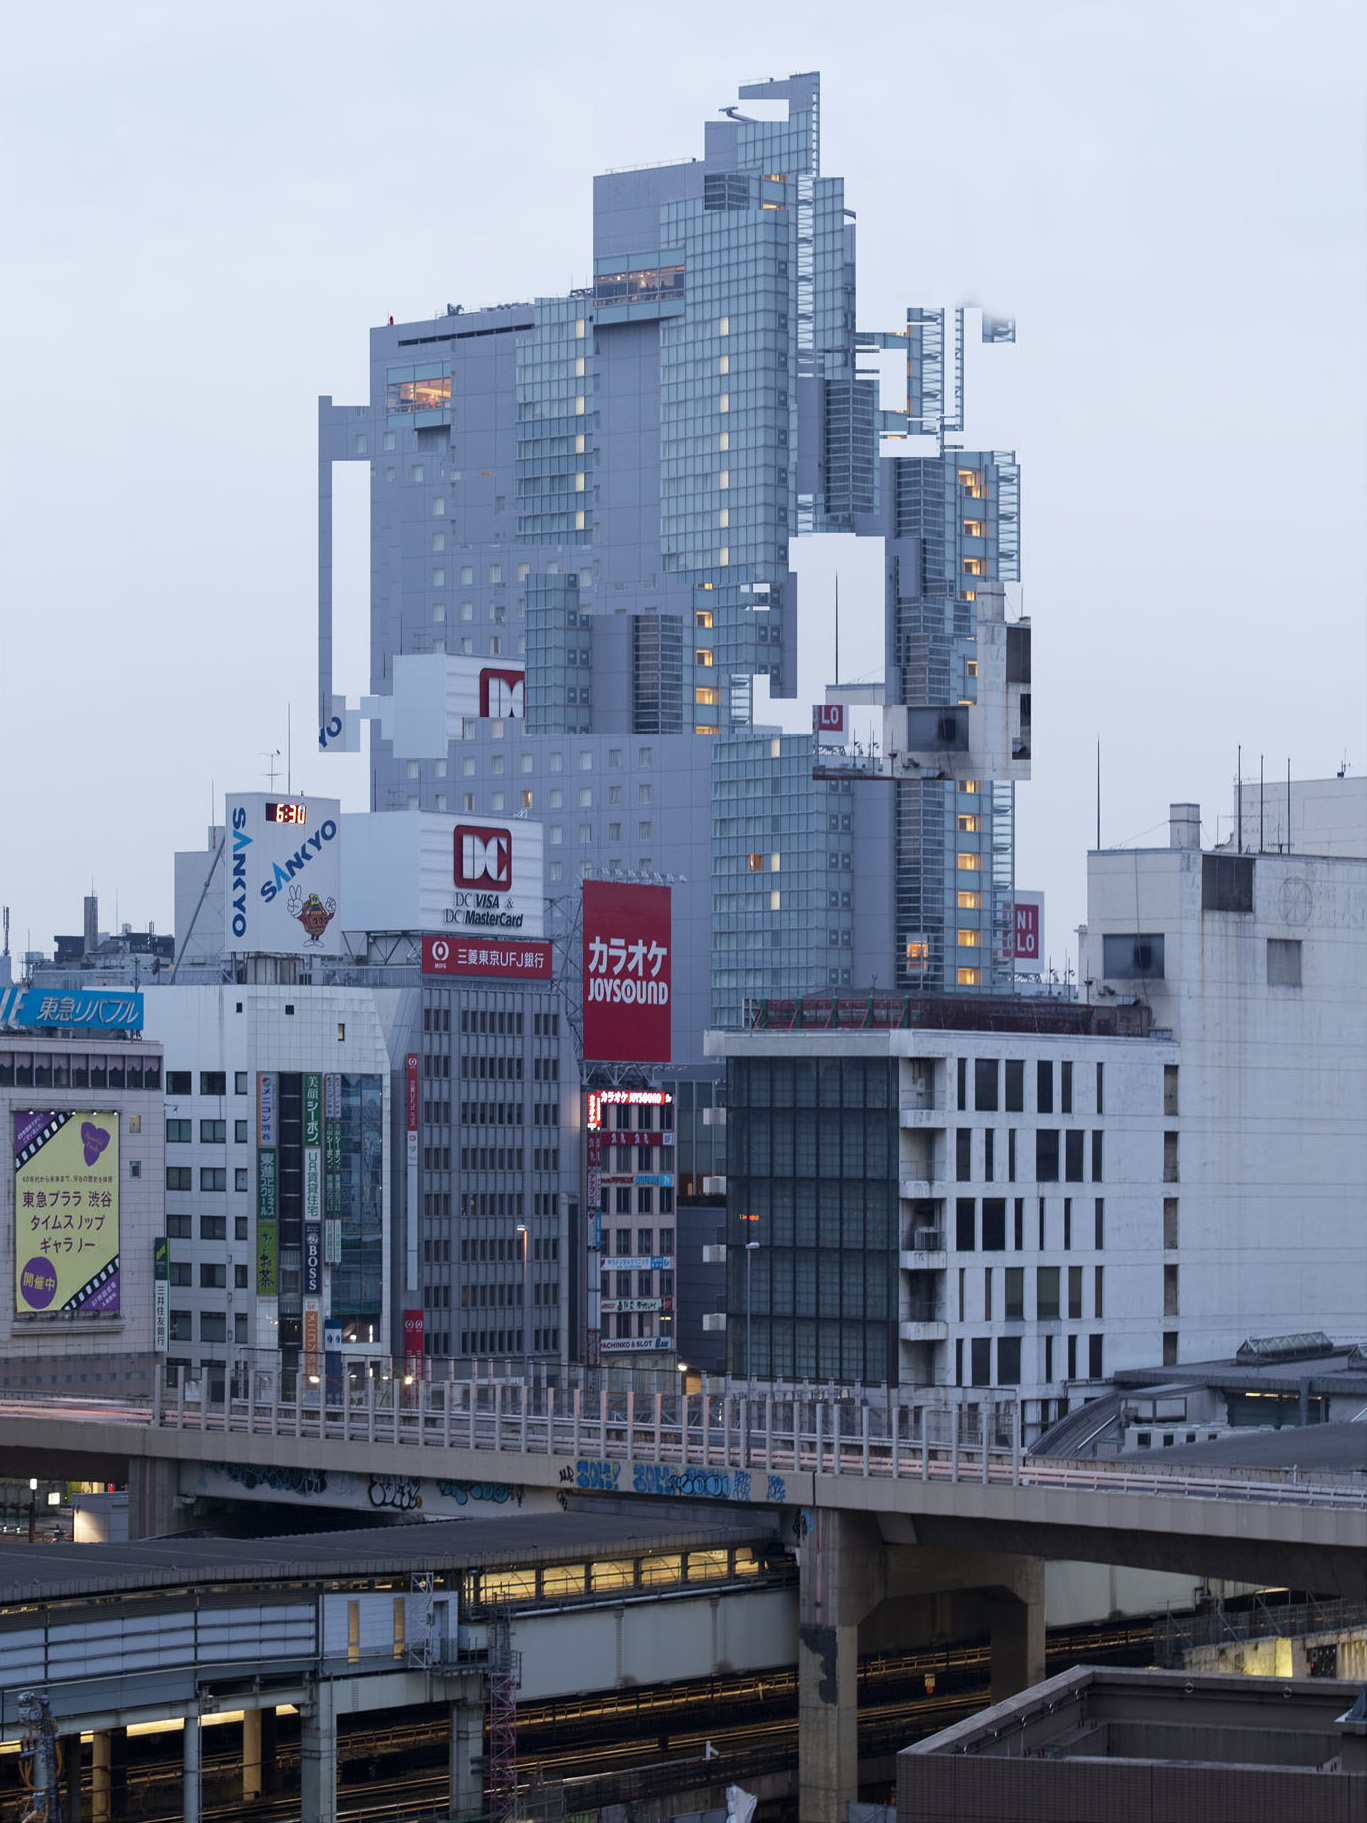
66	1211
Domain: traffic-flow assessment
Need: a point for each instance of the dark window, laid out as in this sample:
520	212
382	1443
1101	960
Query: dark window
1067	1224
178	1132
1044	1088
213	1082
1046	1155
213	1177
1097	1148
1073	1156
179	1177
180	1272
239	1077
1227	883
994	1224
239	1278
986	1072
1095	1368
989	1155
982	1360
212	1278
1020	1224
1015	1086
177	1082
213	1132
178	1227
1072	1357
213	1326
1065	1099
1283	962
965	1223
1015	1293
1011	1155
180	1326
1101	1088
1075	1291
963	1084
1046	1293
1099	1237
1138	958
963	1154
1009	1361
240	1227
213	1227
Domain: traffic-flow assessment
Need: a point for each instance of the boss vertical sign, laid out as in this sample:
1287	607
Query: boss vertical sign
627	982
313	1186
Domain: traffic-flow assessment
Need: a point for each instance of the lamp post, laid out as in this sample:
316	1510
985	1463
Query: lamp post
750	1247
526	1355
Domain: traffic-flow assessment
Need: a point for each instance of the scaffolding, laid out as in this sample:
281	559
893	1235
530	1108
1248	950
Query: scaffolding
504	1676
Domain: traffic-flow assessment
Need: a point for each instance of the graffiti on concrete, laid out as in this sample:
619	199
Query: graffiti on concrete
497	1492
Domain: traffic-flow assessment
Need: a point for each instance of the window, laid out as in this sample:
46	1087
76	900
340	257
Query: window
213	1227
1097	1147
1008	1361
212	1278
994	1224
1095	1368
1170	1222
1101	1088
1046	1155
1014	1308
963	1154
1171	1174
179	1177
1098	1292
1044	1088
986	1073
1046	1293
181	1330
643	792
981	1358
1169	1348
963	1083
239	1132
178	1132
1015	1086
1065	1102
1136	958
240	1177
1227	883
213	1177
1099	1225
965	1224
178	1228
241	1223
1072	1157
1283	962
1075	1291
213	1326
180	1272
213	1132
213	1082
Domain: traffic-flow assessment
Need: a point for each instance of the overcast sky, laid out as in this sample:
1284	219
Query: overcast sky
206	206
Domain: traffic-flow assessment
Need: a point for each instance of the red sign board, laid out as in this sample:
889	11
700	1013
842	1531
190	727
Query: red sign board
458	956
1027	932
828	724
627	939
482	857
501	694
412	1335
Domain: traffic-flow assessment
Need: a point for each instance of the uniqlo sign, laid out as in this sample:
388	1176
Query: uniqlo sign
1029	928
627	940
483	858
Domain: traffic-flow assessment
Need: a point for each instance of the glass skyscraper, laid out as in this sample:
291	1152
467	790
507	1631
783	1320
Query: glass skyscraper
602	490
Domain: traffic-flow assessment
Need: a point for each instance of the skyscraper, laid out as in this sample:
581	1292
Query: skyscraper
582	515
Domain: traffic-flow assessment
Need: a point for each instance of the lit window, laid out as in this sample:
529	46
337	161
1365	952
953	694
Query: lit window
724	364
526	801
970	785
968	823
756	863
970	901
724	516
775	899
972	667
970	864
578	522
579	328
918	955
579	481
971	481
579	405
724	326
969	595
704	656
969	977
705	728
705	697
703	617
724	440
724	479
579	368
973	566
724	555
775	863
974	528
579	443
969	939
724	402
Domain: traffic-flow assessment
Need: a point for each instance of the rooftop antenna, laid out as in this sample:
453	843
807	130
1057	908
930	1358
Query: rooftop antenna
271	755
6	917
837	629
1098	795
1239	797
289	750
1288	803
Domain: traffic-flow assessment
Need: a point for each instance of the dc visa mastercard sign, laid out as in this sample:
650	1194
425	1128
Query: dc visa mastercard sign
627	978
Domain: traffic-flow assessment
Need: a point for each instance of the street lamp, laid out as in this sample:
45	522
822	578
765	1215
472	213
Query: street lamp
750	1247
526	1355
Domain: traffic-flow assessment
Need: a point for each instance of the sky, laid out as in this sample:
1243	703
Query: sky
203	208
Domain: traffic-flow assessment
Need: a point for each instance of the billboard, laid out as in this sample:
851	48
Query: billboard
98	1010
829	725
417	870
161	1291
282	875
66	1211
413	1324
460	956
627	938
1029	948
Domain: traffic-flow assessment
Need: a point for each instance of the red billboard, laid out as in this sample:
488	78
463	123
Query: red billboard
627	939
1029	928
455	956
413	1335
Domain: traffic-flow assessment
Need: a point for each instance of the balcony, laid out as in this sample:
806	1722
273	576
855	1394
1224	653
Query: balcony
923	1111
917	1189
923	1329
923	1259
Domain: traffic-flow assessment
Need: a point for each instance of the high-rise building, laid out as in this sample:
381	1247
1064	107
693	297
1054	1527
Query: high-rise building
582	514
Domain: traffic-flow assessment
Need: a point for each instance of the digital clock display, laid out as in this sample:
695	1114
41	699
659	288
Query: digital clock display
286	813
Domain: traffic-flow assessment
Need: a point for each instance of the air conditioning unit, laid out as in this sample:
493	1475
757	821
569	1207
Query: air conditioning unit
715	1319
